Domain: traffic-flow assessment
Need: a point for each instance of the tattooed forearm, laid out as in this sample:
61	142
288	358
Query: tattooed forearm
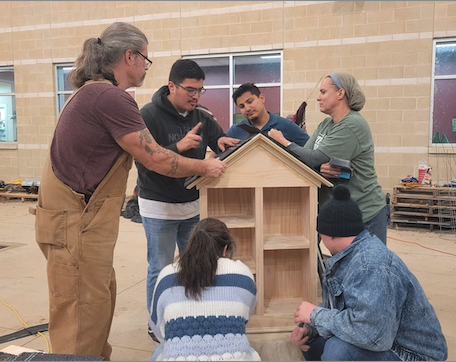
164	151
144	135
159	149
149	150
174	165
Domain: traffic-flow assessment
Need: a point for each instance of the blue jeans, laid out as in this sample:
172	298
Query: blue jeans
379	224
162	237
334	349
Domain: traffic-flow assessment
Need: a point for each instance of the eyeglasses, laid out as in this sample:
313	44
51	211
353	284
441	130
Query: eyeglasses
149	62
192	91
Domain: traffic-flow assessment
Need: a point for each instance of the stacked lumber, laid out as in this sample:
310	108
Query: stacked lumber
6	195
429	207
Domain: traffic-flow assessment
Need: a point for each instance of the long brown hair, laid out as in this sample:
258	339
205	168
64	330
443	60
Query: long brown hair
99	55
198	262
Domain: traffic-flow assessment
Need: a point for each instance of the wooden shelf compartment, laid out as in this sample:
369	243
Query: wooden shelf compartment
245	247
234	206
286	211
285	242
287	276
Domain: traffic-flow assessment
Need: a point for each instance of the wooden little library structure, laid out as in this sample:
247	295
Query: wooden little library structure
269	201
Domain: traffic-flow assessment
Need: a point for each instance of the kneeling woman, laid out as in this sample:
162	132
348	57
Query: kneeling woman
203	301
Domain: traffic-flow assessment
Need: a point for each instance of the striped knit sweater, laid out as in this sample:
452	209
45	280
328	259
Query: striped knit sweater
212	328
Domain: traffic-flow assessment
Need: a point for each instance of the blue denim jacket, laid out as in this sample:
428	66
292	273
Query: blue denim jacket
378	303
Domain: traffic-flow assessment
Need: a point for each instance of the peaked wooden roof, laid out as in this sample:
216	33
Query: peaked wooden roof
272	158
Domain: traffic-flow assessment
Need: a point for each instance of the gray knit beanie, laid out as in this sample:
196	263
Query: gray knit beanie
340	216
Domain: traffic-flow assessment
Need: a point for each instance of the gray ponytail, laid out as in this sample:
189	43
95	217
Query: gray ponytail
100	55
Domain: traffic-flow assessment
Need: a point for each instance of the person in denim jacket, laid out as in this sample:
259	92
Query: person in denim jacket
373	306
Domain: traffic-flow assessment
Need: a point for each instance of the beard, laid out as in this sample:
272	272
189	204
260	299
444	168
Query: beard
141	81
253	120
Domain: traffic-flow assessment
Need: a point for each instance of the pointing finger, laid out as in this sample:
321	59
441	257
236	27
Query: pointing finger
195	129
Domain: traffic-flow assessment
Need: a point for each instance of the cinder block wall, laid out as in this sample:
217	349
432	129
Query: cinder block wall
387	45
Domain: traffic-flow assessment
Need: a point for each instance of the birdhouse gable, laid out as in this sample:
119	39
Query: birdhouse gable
261	162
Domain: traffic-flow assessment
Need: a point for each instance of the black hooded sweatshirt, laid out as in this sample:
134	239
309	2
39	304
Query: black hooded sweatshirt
168	127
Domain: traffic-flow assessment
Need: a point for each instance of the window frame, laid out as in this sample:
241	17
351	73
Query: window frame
434	77
57	67
232	86
12	95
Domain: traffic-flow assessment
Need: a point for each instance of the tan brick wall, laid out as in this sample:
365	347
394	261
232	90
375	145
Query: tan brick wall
387	45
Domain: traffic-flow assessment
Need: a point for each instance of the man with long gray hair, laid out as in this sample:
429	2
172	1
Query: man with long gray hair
82	190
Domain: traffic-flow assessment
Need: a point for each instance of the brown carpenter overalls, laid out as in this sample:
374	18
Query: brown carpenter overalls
78	242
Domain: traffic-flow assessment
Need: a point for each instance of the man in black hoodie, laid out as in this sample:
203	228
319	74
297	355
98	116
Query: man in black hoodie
169	211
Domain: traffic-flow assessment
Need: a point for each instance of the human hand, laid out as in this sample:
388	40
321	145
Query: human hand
278	136
191	140
224	142
329	171
300	338
214	167
302	314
